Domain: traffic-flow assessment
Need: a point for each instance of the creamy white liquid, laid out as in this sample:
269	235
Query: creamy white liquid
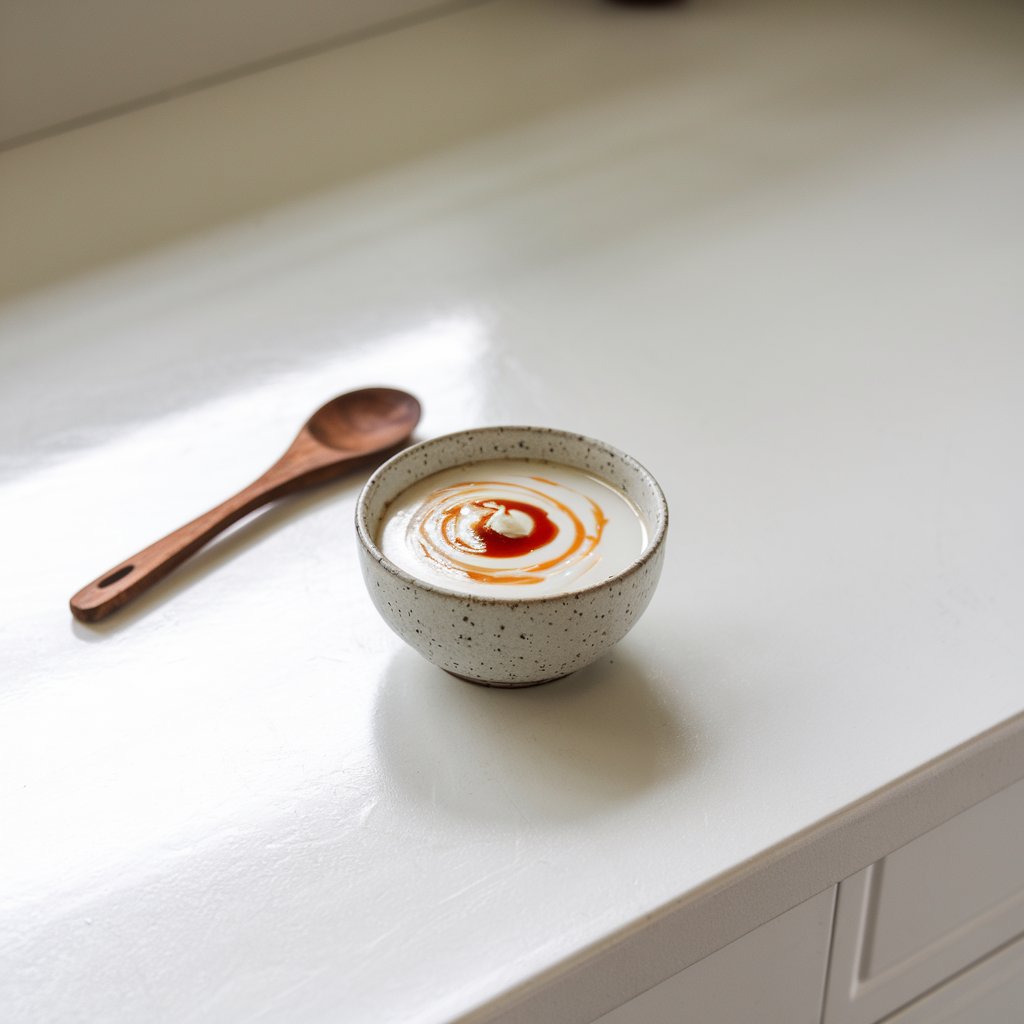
428	530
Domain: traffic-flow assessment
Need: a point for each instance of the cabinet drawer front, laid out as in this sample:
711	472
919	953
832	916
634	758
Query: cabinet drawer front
776	973
928	910
991	992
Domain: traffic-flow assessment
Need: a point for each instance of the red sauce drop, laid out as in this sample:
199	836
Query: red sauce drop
497	545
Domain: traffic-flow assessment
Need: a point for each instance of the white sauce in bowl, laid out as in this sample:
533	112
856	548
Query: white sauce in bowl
513	528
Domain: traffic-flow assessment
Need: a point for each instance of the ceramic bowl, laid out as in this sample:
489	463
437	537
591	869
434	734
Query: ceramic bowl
514	641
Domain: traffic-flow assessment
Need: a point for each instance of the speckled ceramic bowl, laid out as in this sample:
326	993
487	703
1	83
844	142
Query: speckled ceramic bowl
515	641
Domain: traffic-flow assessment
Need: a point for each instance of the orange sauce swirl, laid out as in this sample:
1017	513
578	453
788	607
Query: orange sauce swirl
453	522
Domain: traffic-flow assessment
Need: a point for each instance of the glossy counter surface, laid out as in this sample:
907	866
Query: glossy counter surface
775	252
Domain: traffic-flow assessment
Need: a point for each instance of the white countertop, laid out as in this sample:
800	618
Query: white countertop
774	251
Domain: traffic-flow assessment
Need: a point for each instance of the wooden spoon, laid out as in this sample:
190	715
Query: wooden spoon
348	431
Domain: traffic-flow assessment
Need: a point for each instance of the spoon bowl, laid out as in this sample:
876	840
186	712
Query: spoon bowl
348	431
380	417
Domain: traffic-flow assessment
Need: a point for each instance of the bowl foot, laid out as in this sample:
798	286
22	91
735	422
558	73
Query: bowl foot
507	686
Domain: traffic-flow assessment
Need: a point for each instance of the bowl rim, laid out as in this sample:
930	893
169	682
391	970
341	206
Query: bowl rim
655	543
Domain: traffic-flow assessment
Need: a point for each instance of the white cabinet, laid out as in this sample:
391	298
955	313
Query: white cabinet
928	910
991	992
781	966
933	933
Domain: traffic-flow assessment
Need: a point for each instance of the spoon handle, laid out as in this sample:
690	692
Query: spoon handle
130	578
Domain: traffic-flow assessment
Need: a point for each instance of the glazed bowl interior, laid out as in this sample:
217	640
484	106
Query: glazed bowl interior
534	443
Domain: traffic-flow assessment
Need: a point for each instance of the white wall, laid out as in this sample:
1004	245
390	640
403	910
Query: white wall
61	60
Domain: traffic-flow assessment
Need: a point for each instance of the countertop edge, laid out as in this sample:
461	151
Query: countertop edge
653	948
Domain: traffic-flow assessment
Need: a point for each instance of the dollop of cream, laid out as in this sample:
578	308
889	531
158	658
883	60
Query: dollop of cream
508	522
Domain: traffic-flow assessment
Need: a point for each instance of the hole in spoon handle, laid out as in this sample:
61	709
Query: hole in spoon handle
119	574
134	576
107	593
